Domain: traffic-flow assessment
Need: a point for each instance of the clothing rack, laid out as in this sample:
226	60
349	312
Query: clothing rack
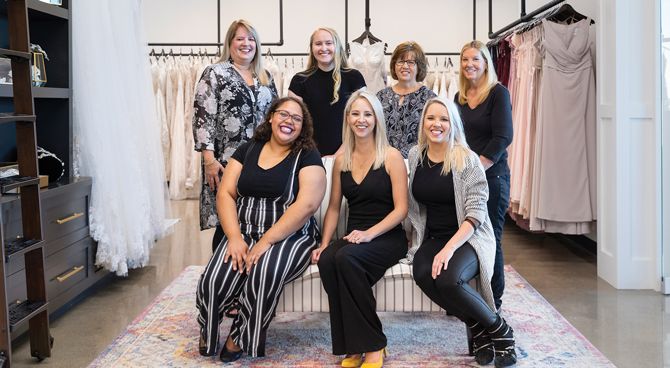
523	16
218	42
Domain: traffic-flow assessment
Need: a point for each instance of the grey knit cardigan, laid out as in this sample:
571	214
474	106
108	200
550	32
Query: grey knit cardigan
471	193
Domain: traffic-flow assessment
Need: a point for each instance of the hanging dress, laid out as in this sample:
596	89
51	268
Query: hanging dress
564	194
369	60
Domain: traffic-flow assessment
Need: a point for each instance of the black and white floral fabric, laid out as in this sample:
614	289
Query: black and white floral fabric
226	112
402	118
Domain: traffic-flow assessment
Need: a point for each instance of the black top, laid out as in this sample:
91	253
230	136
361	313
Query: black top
316	90
370	201
436	192
488	128
255	181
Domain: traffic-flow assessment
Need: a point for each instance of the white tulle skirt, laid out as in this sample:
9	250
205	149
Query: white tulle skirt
116	132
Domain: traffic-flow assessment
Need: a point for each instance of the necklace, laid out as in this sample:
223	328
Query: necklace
430	166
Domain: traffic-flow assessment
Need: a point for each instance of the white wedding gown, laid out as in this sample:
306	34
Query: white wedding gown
117	132
369	60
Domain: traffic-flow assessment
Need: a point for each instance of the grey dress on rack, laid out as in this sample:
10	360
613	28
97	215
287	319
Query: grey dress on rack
564	180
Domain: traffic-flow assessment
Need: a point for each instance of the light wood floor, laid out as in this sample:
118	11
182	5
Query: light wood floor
632	328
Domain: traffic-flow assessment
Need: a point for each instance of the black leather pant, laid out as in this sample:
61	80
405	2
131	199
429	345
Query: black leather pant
451	290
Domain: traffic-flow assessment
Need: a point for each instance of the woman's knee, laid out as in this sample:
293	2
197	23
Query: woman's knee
449	284
421	272
345	256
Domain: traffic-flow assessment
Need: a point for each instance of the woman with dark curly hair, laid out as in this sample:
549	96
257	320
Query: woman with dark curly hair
272	187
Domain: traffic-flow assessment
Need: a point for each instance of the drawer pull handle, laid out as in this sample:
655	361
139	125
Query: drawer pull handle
70	273
75	215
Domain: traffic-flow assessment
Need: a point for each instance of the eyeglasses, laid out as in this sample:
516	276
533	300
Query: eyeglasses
285	115
410	63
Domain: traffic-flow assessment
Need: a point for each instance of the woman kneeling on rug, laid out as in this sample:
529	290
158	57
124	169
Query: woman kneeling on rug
272	187
372	176
447	208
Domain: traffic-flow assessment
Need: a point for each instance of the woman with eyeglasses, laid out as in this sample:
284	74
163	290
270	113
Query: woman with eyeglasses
325	87
372	176
404	101
272	187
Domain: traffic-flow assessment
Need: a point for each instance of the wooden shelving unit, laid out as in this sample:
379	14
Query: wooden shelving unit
32	311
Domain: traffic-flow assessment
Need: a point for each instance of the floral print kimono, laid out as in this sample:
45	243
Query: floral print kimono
226	112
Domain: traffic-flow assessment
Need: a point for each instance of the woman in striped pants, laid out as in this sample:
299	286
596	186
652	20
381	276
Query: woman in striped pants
272	187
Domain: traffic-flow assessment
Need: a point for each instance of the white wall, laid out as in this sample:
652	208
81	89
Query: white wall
629	144
438	25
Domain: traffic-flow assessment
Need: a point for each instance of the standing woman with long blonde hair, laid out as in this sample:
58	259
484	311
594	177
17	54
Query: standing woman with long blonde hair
372	176
325	87
486	109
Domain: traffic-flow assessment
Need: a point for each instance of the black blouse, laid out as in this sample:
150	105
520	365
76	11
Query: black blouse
255	181
488	128
316	90
436	192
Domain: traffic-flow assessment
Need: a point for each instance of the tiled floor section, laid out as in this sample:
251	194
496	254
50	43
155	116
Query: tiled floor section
632	328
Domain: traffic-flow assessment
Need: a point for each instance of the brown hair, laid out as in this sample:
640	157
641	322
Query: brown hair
304	140
420	58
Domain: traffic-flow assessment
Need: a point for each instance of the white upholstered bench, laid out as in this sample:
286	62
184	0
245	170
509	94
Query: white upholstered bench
395	292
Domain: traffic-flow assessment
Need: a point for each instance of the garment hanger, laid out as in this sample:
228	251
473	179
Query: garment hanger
367	34
566	14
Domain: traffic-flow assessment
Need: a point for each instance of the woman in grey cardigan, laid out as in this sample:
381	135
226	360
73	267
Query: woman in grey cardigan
454	240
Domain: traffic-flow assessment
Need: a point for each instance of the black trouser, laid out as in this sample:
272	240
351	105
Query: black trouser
218	236
348	272
497	206
450	290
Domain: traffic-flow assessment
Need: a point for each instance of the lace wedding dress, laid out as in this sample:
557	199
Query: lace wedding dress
117	134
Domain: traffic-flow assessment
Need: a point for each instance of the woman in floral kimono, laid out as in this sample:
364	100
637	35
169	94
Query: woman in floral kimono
231	100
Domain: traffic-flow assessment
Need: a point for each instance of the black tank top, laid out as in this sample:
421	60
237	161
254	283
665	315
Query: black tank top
370	201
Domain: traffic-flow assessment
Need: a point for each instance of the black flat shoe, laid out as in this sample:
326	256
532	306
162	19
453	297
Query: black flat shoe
230	356
202	347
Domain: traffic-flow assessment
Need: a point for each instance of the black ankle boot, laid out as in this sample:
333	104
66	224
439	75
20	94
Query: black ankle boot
482	348
502	336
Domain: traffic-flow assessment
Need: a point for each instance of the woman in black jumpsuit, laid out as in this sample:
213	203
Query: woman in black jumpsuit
373	178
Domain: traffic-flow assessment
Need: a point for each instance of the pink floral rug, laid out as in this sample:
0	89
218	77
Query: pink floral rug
166	335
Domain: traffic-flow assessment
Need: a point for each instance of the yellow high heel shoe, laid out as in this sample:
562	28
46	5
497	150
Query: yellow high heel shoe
379	363
353	361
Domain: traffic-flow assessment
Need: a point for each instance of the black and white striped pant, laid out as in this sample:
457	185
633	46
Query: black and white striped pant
257	293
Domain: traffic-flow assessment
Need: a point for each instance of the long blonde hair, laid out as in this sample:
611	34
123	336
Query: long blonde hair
340	60
257	61
348	141
489	73
457	147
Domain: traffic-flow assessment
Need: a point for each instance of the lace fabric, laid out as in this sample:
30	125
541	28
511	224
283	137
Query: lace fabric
117	132
369	60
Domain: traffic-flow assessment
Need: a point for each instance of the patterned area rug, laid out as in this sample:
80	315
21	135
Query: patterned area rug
166	335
